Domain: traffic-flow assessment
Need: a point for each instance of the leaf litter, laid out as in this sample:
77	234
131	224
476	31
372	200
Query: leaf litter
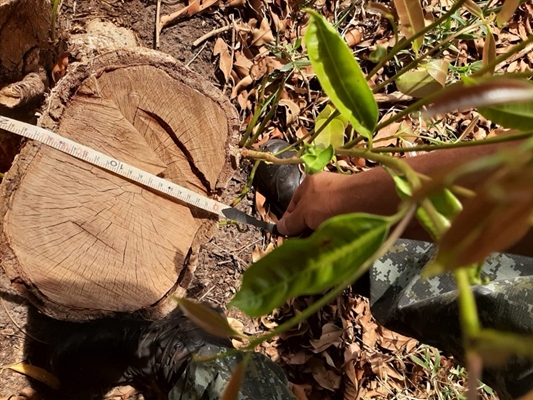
343	352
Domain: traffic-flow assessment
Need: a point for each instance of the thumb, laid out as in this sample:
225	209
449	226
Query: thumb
291	224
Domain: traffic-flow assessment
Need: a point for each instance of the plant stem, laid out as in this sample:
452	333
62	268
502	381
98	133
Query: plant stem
353	142
255	117
261	155
268	116
416	61
404	217
468	315
431	147
318	131
55	10
404	43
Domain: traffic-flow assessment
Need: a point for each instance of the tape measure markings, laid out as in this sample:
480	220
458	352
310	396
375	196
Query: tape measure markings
108	163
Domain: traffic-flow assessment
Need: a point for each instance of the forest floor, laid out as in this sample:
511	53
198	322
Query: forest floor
321	360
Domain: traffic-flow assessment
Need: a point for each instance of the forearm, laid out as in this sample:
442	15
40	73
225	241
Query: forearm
431	165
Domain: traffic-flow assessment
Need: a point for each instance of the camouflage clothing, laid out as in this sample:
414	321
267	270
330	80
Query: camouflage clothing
428	310
208	380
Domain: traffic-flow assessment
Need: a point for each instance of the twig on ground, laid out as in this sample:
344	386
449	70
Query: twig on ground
195	7
211	34
196	55
157	22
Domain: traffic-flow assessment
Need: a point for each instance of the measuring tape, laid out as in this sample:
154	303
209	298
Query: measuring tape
130	172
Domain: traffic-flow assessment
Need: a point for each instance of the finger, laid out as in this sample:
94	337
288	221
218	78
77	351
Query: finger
297	196
291	224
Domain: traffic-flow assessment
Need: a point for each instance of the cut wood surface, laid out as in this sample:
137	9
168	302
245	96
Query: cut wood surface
81	242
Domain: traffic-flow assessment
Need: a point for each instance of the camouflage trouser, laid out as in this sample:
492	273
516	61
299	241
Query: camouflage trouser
401	301
201	380
427	309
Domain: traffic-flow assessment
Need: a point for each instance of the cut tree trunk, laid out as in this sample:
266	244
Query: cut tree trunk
81	242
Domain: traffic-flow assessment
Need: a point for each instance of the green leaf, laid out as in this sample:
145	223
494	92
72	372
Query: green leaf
316	158
446	205
425	81
489	51
377	54
308	266
333	133
340	75
474	9
511	115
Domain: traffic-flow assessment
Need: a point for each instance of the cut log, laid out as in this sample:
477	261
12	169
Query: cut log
81	242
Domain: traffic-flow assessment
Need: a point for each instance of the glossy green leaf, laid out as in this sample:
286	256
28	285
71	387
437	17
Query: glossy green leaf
511	115
307	266
446	205
333	133
411	19
316	158
340	75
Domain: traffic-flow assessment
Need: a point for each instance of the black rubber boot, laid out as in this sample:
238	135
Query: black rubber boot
278	182
158	358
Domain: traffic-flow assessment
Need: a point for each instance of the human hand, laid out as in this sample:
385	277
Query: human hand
318	198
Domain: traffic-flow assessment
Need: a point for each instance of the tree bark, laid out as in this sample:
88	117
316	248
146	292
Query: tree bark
81	242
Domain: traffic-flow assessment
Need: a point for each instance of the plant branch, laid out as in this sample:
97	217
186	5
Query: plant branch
404	217
261	155
431	147
404	43
416	61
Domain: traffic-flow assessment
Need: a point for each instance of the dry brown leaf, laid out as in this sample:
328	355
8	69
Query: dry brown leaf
224	61
353	37
263	34
351	383
37	373
326	378
331	336
242	84
299	358
351	352
300	391
292	111
242	64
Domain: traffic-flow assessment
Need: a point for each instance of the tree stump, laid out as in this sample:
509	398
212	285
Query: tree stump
81	242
